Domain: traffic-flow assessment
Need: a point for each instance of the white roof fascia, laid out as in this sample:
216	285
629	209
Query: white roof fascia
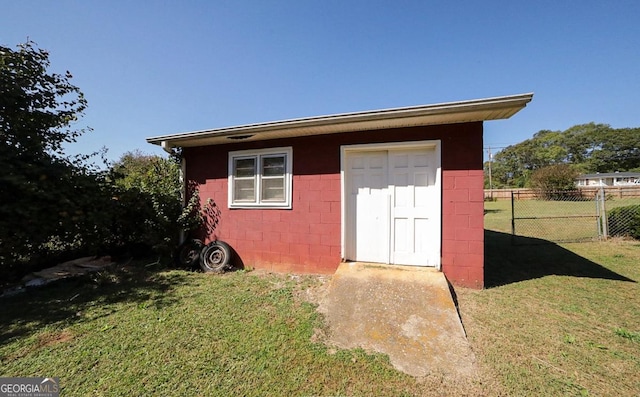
444	113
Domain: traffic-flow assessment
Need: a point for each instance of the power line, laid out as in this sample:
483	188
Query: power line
496	147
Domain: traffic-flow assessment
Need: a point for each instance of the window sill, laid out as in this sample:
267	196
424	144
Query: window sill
261	206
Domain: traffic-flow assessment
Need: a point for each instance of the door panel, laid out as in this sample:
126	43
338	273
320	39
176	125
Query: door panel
372	227
400	243
412	184
369	204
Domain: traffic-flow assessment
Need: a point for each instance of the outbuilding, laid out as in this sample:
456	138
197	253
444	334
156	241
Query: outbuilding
396	186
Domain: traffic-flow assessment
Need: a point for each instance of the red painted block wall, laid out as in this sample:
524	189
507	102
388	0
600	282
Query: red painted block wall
306	238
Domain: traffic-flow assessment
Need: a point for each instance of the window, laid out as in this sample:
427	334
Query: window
260	178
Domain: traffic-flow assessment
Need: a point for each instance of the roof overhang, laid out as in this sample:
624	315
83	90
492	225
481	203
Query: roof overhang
624	174
443	113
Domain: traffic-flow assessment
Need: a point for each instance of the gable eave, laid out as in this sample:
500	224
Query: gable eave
496	108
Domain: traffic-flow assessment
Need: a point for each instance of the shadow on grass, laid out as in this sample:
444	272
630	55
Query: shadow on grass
507	261
64	302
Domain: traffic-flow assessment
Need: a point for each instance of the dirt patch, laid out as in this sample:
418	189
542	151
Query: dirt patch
47	339
313	289
54	338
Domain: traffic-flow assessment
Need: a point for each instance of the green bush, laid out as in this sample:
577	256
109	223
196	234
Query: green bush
555	182
146	203
624	222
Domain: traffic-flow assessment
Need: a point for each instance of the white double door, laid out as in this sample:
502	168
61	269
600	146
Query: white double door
393	207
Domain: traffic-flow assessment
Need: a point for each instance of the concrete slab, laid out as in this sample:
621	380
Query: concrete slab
405	312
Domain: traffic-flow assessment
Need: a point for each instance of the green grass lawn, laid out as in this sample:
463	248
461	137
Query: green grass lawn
557	319
554	320
136	332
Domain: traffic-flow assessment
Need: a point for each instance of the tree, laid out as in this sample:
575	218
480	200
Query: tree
513	165
53	204
587	147
618	150
39	185
37	108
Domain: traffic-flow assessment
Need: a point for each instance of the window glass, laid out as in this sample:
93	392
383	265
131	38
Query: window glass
245	168
245	190
244	180
273	189
273	166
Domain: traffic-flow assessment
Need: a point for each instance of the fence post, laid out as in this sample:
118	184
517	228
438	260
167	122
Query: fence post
603	212
513	219
596	200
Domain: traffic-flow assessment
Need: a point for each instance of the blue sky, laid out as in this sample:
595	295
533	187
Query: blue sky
151	68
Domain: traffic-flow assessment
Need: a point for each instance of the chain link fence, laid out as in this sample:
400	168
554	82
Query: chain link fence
576	215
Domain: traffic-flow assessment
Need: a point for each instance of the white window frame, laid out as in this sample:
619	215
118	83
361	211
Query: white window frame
258	154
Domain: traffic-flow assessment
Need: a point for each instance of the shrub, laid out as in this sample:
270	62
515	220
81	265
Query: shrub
556	182
146	202
624	222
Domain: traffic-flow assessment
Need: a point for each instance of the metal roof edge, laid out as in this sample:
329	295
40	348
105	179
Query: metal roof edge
515	102
621	174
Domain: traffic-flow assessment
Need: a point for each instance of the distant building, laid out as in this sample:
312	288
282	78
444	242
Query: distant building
609	179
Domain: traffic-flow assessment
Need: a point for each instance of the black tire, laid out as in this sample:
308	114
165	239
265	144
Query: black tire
215	257
188	253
